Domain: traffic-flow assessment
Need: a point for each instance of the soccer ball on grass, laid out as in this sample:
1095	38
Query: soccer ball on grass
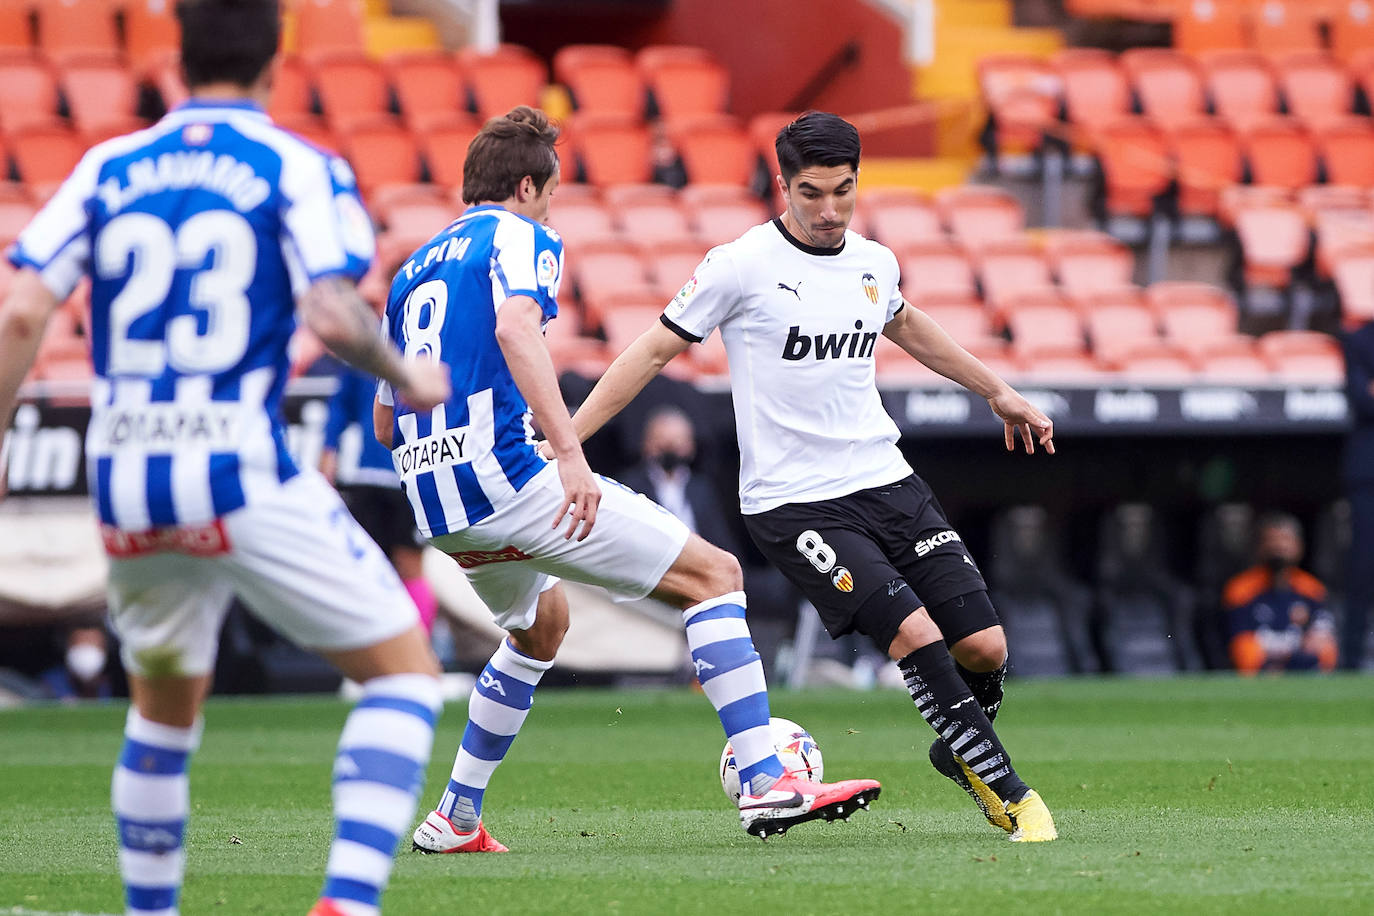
797	750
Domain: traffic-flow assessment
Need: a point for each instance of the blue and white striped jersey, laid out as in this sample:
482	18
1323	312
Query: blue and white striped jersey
198	234
465	458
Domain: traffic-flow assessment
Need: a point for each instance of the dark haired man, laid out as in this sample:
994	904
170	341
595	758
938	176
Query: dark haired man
478	295
825	492
202	235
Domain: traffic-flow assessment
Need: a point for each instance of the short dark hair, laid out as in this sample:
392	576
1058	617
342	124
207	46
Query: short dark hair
507	149
817	138
227	41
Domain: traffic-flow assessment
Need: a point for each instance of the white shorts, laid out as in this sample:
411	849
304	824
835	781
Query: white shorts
514	555
294	556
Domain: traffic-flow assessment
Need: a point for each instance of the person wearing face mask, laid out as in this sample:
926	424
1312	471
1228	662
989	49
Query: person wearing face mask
1277	612
82	674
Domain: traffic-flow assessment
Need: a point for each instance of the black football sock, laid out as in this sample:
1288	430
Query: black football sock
986	686
949	706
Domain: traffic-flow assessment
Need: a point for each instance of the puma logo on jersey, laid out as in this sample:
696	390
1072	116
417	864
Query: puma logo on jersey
829	346
792	289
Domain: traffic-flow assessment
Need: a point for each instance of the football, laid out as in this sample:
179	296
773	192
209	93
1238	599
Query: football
798	751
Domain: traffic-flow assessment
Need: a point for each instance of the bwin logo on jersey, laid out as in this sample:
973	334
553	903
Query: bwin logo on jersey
829	346
926	545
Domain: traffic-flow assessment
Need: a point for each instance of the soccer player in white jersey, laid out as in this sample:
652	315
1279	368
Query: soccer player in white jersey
825	492
202	235
477	296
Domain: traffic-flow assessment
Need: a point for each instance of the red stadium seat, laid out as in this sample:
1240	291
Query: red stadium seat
28	93
1068	365
648	221
311	129
613	149
1089	262
351	87
1135	166
1281	26
601	79
623	324
1010	268
1281	154
152	35
98	92
419	217
69	28
1168	84
714	150
763	130
1353	271
445	148
16	32
1042	325
292	94
1340	218
44	154
606	269
1022	95
977	215
326	26
1207	158
1316	89
428	85
1195	325
672	264
964	319
1115	329
1155	362
1347	151
381	152
1304	357
1208	25
582	222
722	213
899	216
1351	29
1095	87
932	270
1241	86
1273	240
684	81
502	79
1233	360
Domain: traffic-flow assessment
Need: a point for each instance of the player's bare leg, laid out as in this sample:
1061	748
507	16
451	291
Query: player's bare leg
500	701
706	582
947	703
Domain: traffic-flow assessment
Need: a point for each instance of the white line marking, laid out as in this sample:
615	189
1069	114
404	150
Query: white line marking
25	911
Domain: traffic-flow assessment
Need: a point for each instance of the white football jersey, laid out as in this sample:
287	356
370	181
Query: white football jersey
800	325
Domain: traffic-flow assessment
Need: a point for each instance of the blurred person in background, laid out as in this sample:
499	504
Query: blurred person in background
82	674
1359	483
1277	612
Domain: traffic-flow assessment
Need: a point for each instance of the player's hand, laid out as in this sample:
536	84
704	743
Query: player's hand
581	496
1019	414
426	384
545	450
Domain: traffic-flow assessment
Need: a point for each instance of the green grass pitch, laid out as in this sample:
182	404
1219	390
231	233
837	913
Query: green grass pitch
1195	795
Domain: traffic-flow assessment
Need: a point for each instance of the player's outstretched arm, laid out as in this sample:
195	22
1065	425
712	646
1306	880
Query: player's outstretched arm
347	325
521	337
626	377
23	318
918	334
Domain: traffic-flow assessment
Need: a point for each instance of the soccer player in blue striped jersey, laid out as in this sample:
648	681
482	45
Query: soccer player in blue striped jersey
202	236
477	297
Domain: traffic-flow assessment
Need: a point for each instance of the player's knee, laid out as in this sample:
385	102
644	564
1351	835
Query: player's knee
985	650
723	573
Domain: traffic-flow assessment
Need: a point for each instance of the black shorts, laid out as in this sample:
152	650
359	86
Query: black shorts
869	559
385	515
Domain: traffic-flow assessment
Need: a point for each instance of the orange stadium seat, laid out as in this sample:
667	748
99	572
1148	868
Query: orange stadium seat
381	152
418	218
1135	166
1167	83
610	268
1042	324
1207	158
672	264
623	323
601	78
1115	329
152	35
1095	87
1155	362
1022	95
899	216
291	89
1346	147
722	213
1304	357
1273	240
1241	87
1280	153
16	30
649	220
28	93
76	28
351	87
16	209
1353	271
895	367
1232	359
935	269
445	148
1089	262
1340	217
499	80
1283	26
1012	267
98	93
980	214
1351	29
1066	365
582	222
312	129
1194	325
1209	25
683	81
1316	89
763	130
963	318
325	26
612	149
428	85
714	150
44	153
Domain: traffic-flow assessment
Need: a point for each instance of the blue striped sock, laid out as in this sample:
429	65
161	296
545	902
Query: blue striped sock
378	772
731	675
150	794
500	701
